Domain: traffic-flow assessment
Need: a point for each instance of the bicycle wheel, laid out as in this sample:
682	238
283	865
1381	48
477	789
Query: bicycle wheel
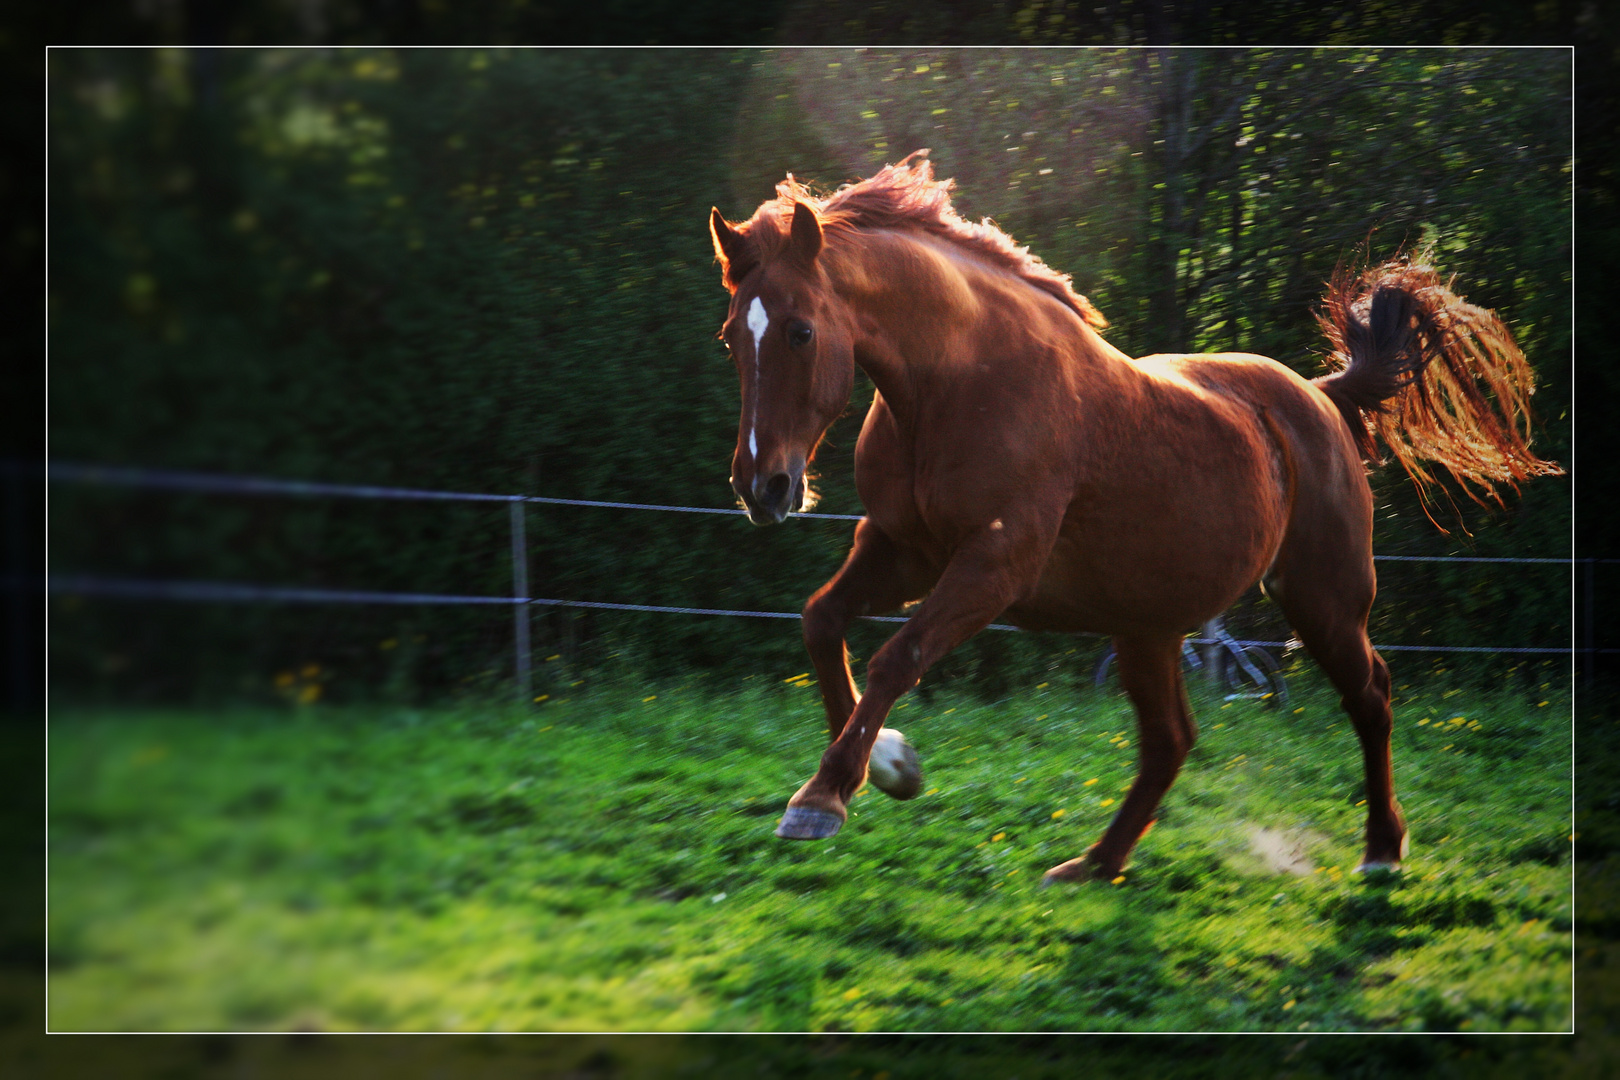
1105	668
1107	665
1269	688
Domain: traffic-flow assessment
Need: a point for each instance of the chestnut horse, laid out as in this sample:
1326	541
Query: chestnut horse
1014	464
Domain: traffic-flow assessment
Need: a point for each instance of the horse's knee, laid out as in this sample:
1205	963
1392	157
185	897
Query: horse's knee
823	623
895	668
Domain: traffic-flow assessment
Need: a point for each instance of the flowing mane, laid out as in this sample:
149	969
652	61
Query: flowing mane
901	196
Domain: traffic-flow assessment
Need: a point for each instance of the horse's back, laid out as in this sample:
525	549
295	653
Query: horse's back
1302	421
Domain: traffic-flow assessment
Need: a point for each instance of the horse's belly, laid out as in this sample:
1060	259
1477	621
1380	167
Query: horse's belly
1165	575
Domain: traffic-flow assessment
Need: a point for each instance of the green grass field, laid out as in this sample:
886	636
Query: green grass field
606	863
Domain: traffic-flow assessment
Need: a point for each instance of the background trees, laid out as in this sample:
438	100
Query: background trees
487	270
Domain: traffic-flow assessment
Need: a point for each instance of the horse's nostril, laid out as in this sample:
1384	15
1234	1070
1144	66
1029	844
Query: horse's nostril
778	489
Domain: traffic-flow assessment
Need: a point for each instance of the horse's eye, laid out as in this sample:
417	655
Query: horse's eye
799	334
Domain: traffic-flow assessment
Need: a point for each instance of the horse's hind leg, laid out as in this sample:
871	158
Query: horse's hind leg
878	576
1150	670
1329	613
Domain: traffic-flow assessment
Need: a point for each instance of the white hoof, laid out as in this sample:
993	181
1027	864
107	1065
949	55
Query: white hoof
894	768
1378	868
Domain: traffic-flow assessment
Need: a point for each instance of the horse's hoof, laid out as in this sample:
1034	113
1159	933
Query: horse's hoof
1074	872
1378	869
808	823
893	767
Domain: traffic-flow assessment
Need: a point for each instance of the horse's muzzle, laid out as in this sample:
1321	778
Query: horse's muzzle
771	498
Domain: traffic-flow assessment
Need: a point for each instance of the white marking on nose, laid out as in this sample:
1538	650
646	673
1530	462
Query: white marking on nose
758	321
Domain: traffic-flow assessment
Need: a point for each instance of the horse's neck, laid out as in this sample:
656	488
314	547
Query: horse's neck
918	305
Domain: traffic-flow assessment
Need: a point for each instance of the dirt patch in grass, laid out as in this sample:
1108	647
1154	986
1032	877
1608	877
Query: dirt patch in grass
1281	851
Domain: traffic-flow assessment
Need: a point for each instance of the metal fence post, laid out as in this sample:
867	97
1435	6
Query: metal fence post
1210	652
520	593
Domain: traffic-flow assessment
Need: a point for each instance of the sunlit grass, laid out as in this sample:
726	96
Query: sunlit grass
606	863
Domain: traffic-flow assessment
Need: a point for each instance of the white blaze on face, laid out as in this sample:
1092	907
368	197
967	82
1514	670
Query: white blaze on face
758	321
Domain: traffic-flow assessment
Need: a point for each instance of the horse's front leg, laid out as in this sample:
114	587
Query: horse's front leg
878	577
988	573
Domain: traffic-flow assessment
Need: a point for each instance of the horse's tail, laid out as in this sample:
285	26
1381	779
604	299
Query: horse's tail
1434	377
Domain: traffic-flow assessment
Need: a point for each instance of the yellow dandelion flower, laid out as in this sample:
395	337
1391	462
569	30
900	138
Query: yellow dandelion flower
1058	813
852	993
998	836
1106	802
1088	783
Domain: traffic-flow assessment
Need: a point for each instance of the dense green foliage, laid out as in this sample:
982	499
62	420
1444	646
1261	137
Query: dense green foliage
485	270
608	864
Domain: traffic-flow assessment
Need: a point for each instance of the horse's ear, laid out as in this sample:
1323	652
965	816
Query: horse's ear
725	237
806	232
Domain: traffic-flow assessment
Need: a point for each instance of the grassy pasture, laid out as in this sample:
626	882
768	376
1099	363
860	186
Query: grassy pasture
606	863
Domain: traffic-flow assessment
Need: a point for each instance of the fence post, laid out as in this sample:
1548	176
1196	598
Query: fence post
520	592
1210	653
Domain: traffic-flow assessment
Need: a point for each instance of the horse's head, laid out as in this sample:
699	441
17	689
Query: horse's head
790	338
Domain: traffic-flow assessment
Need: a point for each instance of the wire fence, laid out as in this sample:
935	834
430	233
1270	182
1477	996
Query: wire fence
522	602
